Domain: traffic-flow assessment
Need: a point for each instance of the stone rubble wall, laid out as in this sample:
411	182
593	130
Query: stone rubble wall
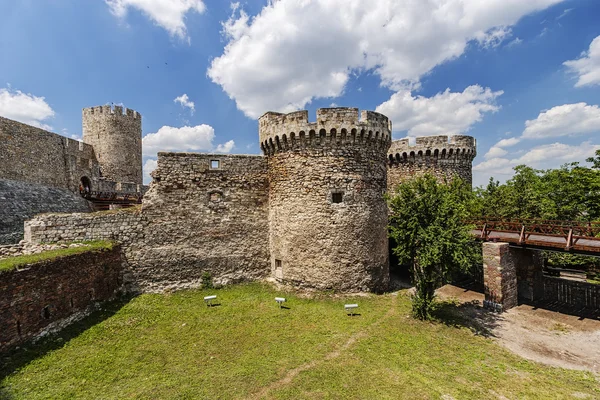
20	201
194	220
33	155
499	276
49	295
204	219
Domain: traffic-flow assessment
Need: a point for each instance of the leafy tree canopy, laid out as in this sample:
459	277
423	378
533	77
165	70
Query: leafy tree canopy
427	224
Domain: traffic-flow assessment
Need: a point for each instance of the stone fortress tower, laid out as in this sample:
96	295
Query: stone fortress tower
116	136
441	156
327	215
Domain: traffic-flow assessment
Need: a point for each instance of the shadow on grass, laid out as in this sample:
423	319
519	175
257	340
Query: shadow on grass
19	357
469	315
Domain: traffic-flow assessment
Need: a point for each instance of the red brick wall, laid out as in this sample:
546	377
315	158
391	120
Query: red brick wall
47	293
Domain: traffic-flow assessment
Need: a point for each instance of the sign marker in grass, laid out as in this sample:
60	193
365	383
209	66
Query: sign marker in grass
350	308
280	301
209	300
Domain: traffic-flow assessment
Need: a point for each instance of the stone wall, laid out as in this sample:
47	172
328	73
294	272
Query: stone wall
195	219
20	201
116	135
30	154
529	264
327	214
441	156
50	294
206	213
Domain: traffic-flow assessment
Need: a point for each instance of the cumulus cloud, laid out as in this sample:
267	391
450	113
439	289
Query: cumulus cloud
25	107
295	51
445	113
184	100
508	142
587	67
542	157
187	138
168	14
564	120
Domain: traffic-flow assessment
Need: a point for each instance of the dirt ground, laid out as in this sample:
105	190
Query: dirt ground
549	337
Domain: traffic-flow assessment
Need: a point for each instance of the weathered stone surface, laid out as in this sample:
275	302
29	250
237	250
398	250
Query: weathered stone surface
46	296
530	276
116	136
39	168
314	241
20	201
310	212
33	155
441	156
499	275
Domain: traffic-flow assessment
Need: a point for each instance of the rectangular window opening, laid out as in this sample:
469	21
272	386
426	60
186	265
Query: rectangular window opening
277	264
215	164
337	197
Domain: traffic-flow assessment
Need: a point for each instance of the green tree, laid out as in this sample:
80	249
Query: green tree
427	224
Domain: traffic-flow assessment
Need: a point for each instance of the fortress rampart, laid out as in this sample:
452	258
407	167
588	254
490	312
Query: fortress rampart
116	136
441	156
310	212
327	215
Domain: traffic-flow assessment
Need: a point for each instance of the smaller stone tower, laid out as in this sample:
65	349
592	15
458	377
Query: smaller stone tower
441	156
117	140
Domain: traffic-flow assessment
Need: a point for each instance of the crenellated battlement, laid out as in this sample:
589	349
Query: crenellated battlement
117	111
334	127
427	148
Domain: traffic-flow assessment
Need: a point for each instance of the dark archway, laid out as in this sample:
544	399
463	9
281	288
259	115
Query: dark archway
85	185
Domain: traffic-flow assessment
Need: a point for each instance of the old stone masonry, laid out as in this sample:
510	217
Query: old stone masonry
309	212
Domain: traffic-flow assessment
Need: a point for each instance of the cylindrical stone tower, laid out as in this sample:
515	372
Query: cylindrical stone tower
327	212
117	140
441	156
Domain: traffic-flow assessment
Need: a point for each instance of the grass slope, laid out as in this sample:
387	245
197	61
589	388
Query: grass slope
173	346
11	263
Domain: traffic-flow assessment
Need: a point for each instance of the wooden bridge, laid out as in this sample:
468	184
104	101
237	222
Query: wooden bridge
564	236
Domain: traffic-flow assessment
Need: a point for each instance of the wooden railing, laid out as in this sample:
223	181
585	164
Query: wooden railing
570	236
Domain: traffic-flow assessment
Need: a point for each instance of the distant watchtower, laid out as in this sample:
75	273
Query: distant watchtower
327	214
117	140
444	157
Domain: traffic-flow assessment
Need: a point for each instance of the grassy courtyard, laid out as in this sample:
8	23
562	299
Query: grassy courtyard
174	347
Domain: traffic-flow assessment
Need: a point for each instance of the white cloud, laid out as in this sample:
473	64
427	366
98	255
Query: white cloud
225	147
149	166
587	67
495	152
543	157
184	100
568	119
445	113
25	107
168	14
296	51
187	138
515	42
508	142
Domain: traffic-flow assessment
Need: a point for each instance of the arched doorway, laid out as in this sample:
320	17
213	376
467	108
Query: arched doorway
85	185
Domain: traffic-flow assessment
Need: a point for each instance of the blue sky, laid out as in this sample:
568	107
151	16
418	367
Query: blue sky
522	77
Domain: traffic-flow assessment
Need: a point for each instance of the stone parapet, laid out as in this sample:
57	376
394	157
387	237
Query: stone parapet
335	127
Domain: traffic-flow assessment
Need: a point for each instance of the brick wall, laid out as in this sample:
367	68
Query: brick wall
50	294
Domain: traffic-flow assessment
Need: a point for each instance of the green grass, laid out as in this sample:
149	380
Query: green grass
174	347
11	263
